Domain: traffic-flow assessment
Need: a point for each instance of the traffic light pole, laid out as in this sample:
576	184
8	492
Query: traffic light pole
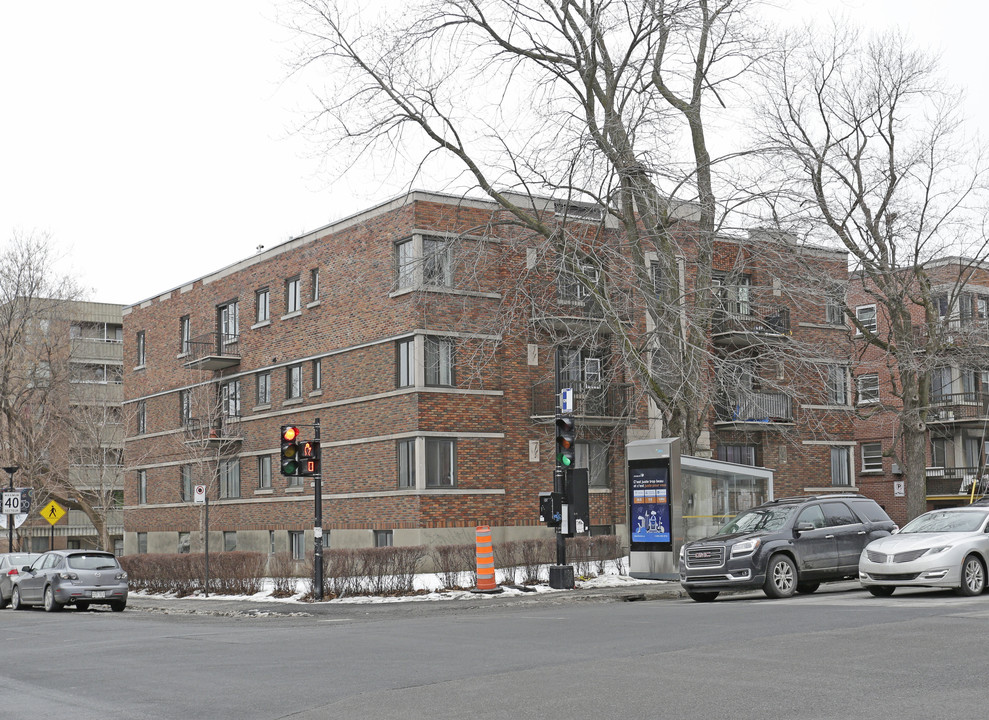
318	525
559	486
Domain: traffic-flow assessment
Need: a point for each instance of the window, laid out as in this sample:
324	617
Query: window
231	398
436	265
384	538
264	388
297	544
229	540
185	482
834	308
439	361
141	350
406	362
230	478
575	284
738	454
184	542
142	417
406	264
659	284
228	321
578	369
970	379
866	315
317	375
185	334
939	452
264	472
837	385
407	463
940	383
440	463
593	456
868	388
293	382
142	487
293	295
733	293
142	543
262	306
185	408
814	515
872	457
841	475
314	285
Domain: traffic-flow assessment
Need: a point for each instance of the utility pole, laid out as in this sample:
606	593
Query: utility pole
10	520
318	523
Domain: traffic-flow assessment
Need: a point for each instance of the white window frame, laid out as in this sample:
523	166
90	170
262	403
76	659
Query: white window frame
141	348
868	323
841	466
293	295
314	285
406	463
440	451
439	361
229	321
231	398
262	305
263	388
837	385
867	388
185	334
229	472
142	487
264	472
293	382
405	358
872	457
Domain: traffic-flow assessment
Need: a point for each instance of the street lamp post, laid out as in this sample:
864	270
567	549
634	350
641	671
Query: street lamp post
10	470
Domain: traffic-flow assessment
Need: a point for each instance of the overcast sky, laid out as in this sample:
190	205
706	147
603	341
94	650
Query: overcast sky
157	142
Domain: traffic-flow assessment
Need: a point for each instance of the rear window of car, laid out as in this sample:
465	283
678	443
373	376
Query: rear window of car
869	511
92	562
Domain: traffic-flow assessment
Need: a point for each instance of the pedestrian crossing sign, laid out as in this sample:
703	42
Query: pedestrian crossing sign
52	512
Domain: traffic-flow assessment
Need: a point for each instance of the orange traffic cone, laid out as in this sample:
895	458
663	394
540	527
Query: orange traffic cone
485	561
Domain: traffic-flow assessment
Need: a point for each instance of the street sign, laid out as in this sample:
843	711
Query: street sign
52	512
566	400
18	520
199	494
11	502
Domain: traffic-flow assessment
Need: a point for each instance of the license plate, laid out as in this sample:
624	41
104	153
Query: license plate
99	594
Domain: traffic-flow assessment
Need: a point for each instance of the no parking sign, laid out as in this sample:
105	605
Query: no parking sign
199	494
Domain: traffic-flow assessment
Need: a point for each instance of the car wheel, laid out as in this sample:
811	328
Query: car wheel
702	596
118	606
781	577
807	588
51	604
881	590
15	599
82	606
973	576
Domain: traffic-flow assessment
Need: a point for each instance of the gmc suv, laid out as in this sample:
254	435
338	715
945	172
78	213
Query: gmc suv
784	546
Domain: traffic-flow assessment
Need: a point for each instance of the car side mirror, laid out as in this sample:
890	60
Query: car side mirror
27	569
804	527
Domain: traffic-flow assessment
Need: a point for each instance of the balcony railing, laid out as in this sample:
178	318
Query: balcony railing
211	432
734	318
956	481
755	407
590	401
955	331
954	407
213	351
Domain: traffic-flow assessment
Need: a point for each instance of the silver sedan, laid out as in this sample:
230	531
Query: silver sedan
946	548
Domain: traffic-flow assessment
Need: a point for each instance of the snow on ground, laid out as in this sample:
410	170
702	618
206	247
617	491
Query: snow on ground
430	587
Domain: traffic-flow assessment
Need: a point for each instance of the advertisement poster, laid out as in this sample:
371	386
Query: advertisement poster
650	510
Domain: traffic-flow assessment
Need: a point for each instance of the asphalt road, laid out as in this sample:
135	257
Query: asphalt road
839	653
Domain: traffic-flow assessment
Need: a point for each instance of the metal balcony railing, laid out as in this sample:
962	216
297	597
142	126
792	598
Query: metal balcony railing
952	407
956	481
213	351
612	400
206	431
755	407
733	317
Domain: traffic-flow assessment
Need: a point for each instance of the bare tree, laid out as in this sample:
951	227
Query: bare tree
600	104
871	155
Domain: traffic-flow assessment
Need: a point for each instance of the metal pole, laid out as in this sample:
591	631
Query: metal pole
318	524
559	487
206	548
10	518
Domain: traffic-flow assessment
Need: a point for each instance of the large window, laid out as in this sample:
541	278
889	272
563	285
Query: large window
594	457
841	460
264	388
293	295
407	463
733	293
293	382
738	454
439	361
230	478
437	265
264	472
575	284
231	398
440	463
866	315
406	361
834	308
872	457
837	385
297	544
228	321
262	304
868	388
405	260
940	383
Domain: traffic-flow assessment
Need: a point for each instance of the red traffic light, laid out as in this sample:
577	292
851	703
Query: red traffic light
290	433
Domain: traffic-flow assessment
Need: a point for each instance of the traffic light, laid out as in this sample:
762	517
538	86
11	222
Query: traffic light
290	451
309	458
565	440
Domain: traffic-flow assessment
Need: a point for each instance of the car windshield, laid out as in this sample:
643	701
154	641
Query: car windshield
92	562
940	522
764	518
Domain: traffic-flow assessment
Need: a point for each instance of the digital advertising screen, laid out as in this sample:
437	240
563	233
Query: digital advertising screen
649	503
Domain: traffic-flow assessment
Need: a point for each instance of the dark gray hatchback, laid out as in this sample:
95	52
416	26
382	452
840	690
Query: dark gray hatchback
72	577
784	546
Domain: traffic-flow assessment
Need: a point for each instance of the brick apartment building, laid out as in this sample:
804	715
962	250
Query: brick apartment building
956	370
433	373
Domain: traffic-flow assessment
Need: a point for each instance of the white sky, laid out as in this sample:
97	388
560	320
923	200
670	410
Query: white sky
156	142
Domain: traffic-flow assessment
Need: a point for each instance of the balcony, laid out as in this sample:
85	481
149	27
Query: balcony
755	407
213	351
953	408
957	331
949	481
212	433
742	324
593	404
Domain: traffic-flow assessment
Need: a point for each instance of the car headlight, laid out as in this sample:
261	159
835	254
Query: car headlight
682	550
936	550
746	547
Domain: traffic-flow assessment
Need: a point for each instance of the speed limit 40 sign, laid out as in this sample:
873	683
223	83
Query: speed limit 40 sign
12	502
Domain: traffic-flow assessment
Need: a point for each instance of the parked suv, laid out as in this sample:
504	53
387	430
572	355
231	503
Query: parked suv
784	546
